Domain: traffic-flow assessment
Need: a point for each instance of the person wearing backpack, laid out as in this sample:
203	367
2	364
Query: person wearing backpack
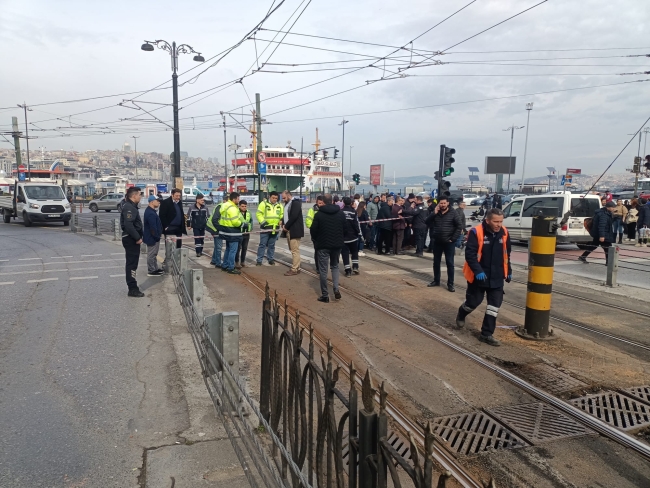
601	230
212	226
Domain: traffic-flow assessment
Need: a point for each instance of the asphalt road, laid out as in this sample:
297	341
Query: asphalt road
77	393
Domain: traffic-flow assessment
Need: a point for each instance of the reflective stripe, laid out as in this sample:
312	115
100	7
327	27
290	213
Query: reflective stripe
467	308
491	312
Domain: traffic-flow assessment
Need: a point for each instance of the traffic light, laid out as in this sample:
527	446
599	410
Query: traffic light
445	170
636	167
356	178
436	176
336	153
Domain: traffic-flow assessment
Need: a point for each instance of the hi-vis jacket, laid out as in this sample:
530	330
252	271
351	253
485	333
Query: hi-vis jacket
213	229
247	225
311	213
269	215
489	253
231	220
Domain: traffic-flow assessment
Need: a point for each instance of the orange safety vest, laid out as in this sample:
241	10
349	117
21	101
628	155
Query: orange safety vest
467	271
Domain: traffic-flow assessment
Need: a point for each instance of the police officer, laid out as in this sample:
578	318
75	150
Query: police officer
487	265
269	215
131	225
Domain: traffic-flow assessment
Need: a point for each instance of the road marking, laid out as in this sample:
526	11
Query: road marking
89	255
83	277
29	259
41	280
7	283
59	270
4	260
47	264
116	253
61	257
117	276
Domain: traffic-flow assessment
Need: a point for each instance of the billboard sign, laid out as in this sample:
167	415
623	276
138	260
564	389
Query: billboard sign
500	165
573	171
377	174
161	187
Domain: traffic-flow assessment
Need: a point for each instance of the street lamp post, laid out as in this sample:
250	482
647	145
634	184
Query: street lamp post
645	139
174	51
343	122
529	109
26	108
512	137
135	150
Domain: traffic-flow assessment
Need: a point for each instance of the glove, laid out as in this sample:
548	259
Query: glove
509	278
554	227
481	276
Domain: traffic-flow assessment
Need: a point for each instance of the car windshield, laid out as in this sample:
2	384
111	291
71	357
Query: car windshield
584	207
49	192
532	204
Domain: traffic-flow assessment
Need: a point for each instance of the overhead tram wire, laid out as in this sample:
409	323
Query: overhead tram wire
354	71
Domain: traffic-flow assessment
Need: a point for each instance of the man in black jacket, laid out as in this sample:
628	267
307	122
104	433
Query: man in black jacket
487	266
131	226
385	235
351	235
601	230
327	234
446	229
294	227
419	215
172	216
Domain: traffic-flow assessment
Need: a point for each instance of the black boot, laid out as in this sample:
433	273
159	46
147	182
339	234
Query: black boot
620	238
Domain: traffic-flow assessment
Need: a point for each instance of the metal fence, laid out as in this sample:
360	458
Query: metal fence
95	224
314	409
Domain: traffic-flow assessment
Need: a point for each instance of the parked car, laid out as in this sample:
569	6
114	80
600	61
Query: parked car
107	202
477	201
518	216
468	197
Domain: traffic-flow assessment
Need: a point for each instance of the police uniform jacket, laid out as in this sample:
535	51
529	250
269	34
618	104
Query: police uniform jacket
130	221
198	216
491	262
352	230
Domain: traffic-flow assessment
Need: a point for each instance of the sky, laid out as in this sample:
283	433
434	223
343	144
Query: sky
557	55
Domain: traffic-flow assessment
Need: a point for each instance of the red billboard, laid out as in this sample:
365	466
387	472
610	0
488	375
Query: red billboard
377	174
573	171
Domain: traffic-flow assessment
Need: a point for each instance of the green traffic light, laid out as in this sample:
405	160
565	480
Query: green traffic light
448	171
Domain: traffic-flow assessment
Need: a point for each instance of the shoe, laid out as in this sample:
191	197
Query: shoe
158	272
258	264
136	293
234	271
272	263
419	255
348	274
198	254
428	251
379	253
337	294
238	266
217	266
224	269
638	244
361	253
291	273
489	340
460	323
355	271
324	299
450	287
401	253
583	259
433	283
242	265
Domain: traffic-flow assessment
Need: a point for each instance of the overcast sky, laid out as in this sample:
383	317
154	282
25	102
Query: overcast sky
66	50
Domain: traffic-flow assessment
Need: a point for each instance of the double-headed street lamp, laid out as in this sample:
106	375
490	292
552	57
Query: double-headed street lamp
174	51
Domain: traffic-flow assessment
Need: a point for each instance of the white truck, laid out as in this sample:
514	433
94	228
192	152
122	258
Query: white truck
35	202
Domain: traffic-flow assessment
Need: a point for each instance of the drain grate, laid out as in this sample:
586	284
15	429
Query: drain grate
616	409
551	379
639	392
474	432
538	422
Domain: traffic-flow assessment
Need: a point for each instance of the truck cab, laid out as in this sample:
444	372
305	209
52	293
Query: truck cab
36	202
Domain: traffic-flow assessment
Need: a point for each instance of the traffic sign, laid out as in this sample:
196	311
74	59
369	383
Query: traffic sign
263	182
21	176
261	157
21	168
261	167
566	180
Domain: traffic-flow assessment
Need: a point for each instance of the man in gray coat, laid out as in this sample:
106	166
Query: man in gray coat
373	211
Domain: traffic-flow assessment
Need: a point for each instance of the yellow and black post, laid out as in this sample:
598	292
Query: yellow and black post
541	260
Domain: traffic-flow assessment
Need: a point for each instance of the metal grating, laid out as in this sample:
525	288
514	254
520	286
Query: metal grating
616	409
538	422
475	432
639	392
551	379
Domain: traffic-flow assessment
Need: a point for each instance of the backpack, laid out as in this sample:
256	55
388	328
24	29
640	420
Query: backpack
588	223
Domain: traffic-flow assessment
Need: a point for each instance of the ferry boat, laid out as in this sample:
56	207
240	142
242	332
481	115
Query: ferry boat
285	165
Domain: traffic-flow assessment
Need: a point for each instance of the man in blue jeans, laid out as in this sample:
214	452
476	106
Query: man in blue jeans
212	227
447	227
269	215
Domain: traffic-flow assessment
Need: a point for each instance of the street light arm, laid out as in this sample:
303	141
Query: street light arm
186	49
160	44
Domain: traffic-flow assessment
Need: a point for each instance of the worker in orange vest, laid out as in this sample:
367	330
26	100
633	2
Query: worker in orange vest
487	266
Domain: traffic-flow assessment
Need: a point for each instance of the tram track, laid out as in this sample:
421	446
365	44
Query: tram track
591	422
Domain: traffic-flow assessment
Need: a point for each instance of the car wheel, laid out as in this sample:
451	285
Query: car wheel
6	217
26	221
107	210
93	208
118	207
66	223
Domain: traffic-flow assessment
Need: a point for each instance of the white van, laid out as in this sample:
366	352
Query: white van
518	215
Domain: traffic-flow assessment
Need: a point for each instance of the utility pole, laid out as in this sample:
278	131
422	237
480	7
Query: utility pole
636	173
258	115
301	167
529	109
26	108
343	156
135	150
351	159
225	156
512	137
16	136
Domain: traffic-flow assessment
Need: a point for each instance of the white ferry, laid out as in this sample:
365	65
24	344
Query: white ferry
284	167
